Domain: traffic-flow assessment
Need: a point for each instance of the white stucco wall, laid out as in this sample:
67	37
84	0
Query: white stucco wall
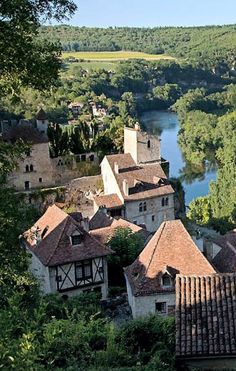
109	180
40	272
154	208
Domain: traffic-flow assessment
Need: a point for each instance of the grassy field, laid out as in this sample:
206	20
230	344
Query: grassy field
114	56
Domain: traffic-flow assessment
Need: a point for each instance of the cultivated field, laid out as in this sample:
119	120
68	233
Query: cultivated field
114	56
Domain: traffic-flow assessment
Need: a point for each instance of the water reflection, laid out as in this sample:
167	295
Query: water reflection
195	179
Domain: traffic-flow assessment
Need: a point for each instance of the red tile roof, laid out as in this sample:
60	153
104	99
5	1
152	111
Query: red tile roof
111	201
205	315
103	235
225	260
170	249
55	247
143	181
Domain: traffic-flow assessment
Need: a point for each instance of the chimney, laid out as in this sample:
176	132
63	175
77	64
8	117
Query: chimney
116	168
137	126
125	187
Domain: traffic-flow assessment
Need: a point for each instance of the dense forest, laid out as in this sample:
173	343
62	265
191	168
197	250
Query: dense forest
212	46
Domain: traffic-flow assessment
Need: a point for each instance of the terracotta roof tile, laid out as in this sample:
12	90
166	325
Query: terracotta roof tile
170	249
111	201
225	260
54	246
103	235
205	315
143	181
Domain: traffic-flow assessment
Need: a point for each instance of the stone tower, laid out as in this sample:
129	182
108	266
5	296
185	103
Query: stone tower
144	148
42	121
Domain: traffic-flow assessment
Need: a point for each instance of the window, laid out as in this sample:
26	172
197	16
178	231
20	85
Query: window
167	201
163	202
91	157
83	157
27	185
140	207
83	270
148	144
40	180
58	278
153	218
28	152
31	168
161	307
135	221
76	240
27	168
145	206
166	280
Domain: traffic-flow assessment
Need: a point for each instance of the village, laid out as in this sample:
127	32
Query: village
176	273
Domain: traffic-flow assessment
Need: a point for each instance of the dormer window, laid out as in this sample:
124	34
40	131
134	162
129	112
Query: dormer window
76	239
166	280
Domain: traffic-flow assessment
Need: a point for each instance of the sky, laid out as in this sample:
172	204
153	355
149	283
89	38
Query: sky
153	13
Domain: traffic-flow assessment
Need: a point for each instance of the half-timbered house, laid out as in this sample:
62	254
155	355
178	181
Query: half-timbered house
64	257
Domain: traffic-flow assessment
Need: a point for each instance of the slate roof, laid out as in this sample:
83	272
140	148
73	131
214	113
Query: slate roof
143	181
55	247
111	201
206	315
100	220
225	260
27	133
171	250
103	235
41	115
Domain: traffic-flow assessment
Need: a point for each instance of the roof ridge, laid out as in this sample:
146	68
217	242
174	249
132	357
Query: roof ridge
51	256
154	250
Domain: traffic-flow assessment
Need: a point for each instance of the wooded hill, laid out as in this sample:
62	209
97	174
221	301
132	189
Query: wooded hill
205	45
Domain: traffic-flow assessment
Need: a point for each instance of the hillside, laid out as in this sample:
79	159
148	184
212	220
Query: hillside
206	45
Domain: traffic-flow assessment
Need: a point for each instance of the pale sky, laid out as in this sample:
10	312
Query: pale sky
152	13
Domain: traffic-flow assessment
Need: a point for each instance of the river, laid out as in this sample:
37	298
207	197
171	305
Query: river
194	180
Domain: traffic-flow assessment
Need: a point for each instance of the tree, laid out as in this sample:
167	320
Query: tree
200	210
25	60
59	140
127	245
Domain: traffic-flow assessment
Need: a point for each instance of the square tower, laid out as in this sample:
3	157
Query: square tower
144	148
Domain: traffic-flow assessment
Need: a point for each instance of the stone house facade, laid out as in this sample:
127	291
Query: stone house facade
138	193
36	168
150	279
64	257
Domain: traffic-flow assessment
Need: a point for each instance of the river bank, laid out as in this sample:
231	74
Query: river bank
195	180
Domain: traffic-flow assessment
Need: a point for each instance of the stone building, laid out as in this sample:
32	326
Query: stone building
42	121
143	147
150	279
206	322
138	193
64	257
35	168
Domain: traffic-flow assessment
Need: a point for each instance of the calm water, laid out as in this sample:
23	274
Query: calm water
195	180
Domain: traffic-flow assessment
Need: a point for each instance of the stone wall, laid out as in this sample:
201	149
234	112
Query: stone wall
155	213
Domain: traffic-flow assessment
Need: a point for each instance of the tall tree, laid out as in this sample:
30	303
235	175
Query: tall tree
25	60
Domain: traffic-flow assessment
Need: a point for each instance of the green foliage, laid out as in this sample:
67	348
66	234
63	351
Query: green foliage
28	61
211	47
127	245
200	210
